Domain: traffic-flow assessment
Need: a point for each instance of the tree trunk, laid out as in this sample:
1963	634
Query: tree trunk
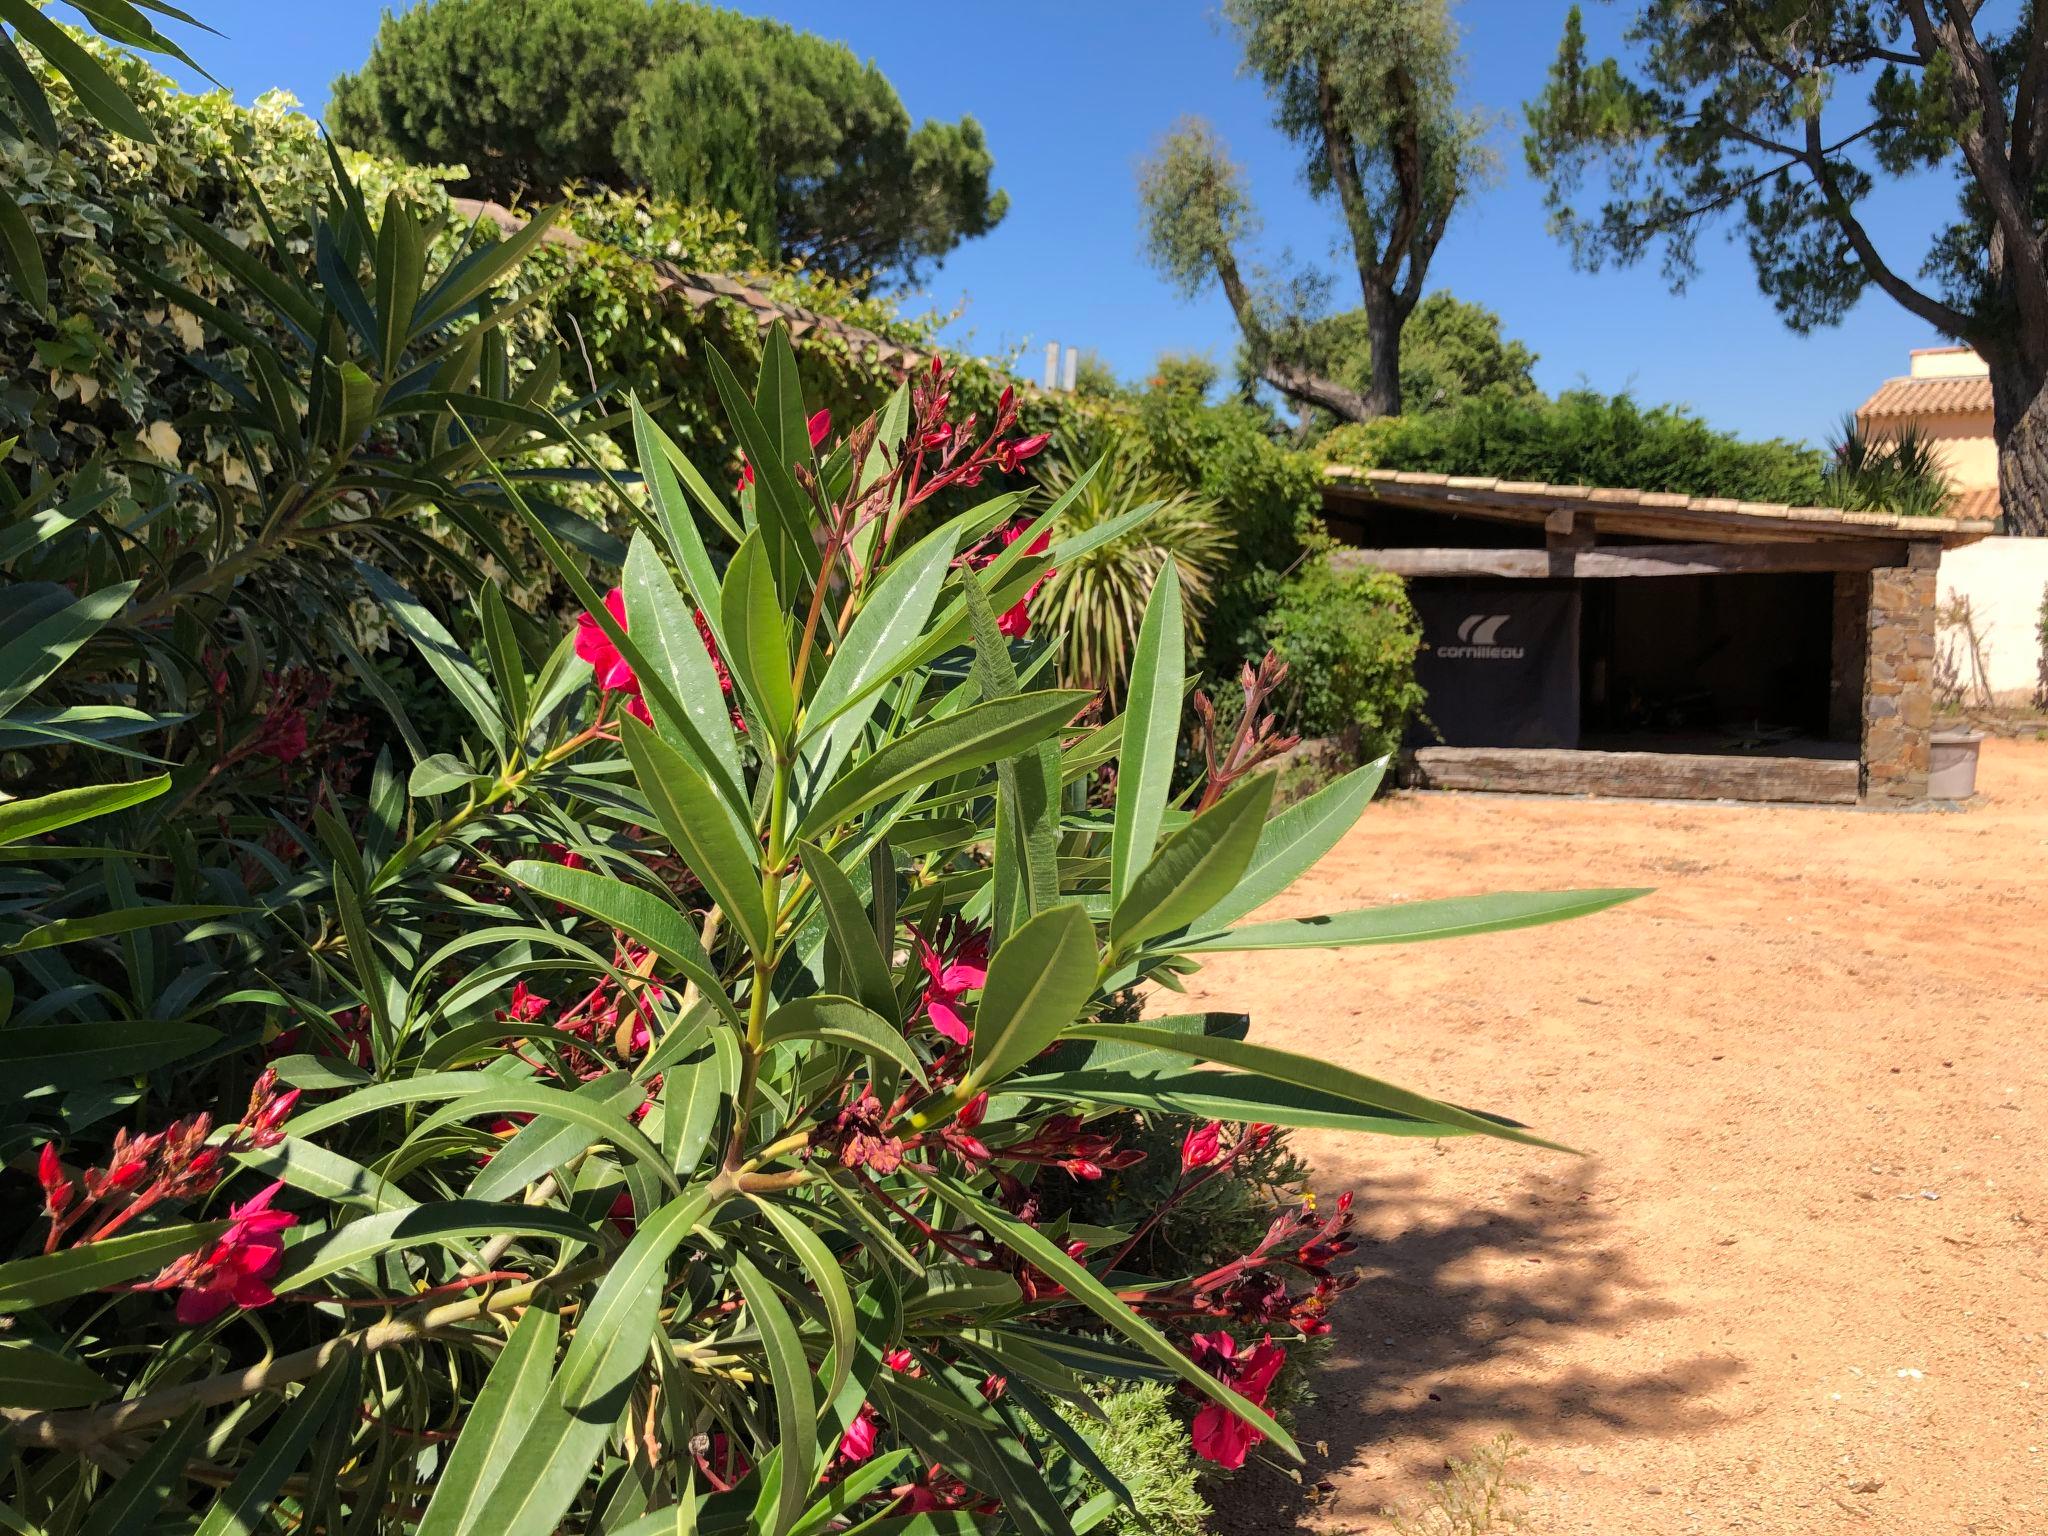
1383	331
2019	424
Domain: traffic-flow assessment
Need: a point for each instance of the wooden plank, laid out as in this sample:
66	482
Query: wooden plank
1631	560
1634	775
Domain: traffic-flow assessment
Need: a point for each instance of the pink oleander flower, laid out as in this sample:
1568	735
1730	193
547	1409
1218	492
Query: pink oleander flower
957	965
527	1005
858	1443
1199	1147
1013	453
1220	1435
237	1270
263	1123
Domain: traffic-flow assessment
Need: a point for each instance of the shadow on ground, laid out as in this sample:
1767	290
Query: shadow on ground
1443	1292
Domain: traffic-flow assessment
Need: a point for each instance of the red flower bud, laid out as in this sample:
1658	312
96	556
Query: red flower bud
57	1188
818	426
1199	1147
972	1111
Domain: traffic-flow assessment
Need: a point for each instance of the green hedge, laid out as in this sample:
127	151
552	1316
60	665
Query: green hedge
1582	438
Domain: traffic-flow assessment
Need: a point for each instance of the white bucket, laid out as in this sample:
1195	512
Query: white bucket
1952	764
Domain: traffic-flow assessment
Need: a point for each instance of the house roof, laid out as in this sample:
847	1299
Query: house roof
700	290
1653	513
1929	397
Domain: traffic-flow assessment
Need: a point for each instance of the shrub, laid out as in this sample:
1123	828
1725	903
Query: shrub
1349	639
1269	498
656	1125
1093	605
1145	1443
1901	474
1582	438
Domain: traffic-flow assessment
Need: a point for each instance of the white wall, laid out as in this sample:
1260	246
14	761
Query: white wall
2004	580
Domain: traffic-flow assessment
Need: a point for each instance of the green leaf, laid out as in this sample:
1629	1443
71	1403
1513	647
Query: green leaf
782	510
973	738
1194	867
1410	922
21	254
410	1090
876	645
1038	983
325	1175
640	913
545	1143
438	648
359	1241
48	1277
496	1424
509	1402
1292	842
757	640
1238	1097
853	937
1083	1287
508	665
441	774
68	1055
822	1268
701	831
561	1104
22	819
32	1376
97	90
1151	732
662	623
100	925
842	1021
533	1485
245	1507
789	1373
1307	1072
149	1487
31	656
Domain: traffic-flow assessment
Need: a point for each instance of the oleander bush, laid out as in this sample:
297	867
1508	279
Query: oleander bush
653	1110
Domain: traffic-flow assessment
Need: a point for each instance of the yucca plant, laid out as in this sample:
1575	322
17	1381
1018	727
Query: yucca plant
1900	473
1095	603
673	1075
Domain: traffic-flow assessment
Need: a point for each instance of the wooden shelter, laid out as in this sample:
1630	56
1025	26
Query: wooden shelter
1584	639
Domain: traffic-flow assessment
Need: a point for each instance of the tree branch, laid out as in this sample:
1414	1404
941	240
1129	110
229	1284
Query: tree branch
1291	379
1344	173
1980	104
1926	306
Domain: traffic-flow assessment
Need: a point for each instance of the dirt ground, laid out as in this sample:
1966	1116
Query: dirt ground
1798	1284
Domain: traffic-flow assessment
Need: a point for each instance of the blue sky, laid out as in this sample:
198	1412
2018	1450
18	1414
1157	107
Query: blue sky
1072	96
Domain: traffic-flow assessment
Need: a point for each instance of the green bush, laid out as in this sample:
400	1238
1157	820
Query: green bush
1145	1443
1349	639
1582	438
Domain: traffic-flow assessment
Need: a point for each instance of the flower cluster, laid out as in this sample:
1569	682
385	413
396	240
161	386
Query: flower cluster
180	1163
1015	620
1258	738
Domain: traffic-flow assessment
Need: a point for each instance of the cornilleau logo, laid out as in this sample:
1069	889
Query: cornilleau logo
1479	640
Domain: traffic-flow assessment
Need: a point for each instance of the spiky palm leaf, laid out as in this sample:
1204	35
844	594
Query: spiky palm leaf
1094	604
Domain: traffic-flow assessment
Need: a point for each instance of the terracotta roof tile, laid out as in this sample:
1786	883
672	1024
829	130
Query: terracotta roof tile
1928	397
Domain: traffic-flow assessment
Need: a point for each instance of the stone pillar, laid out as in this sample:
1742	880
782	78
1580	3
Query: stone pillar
1898	677
1848	641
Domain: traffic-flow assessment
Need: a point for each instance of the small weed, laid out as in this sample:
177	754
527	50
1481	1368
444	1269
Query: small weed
1478	1497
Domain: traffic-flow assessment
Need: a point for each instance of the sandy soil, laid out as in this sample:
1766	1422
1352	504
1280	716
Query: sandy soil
1799	1284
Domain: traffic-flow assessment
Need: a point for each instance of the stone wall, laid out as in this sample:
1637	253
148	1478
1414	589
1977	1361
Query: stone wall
1898	678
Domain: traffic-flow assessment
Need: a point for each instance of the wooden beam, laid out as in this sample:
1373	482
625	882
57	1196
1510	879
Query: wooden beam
1634	775
1624	560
